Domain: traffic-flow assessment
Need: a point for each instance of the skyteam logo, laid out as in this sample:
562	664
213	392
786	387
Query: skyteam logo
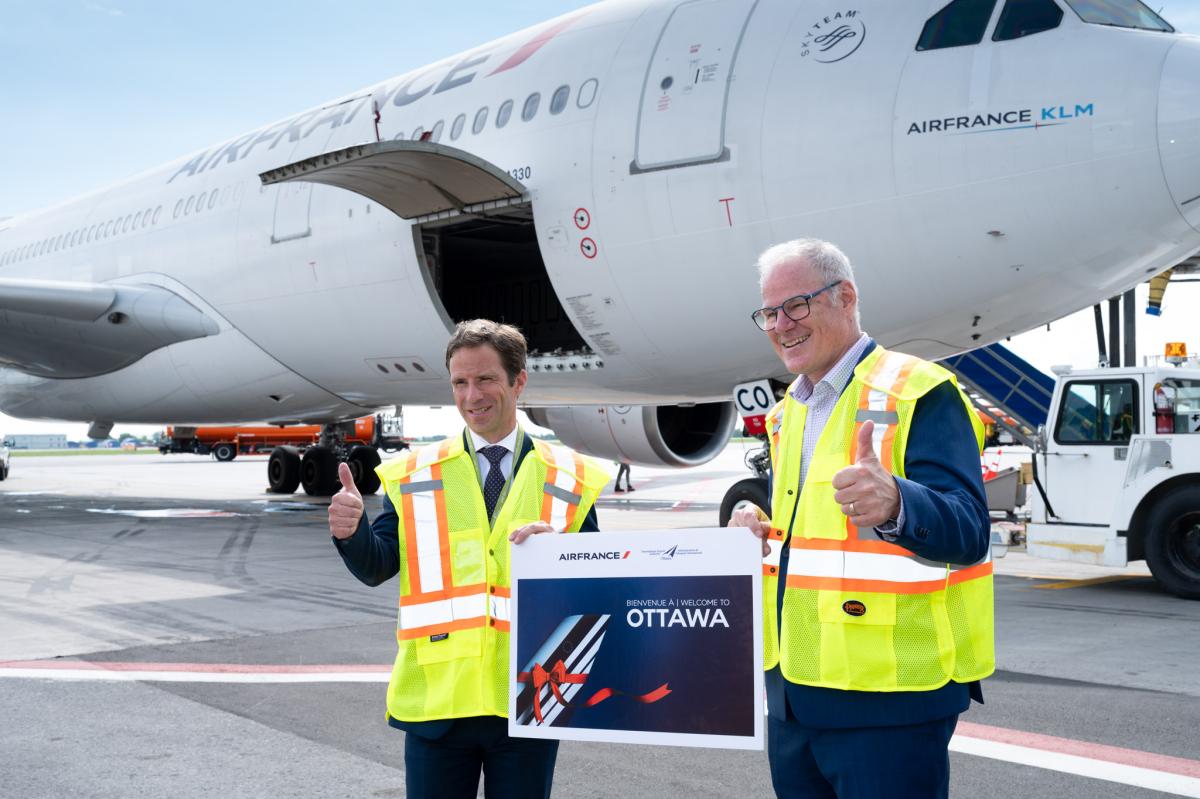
834	37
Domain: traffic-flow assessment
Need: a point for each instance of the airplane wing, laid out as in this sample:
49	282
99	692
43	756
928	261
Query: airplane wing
63	329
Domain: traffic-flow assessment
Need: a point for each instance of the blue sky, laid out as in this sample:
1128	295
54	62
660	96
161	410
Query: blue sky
94	91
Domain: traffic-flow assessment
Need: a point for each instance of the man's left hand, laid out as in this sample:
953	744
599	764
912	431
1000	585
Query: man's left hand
867	493
521	533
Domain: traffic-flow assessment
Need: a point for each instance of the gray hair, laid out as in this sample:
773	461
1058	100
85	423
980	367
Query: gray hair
823	256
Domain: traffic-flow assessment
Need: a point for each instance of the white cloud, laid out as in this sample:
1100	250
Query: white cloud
99	9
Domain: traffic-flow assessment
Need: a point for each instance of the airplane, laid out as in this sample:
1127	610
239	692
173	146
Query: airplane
605	181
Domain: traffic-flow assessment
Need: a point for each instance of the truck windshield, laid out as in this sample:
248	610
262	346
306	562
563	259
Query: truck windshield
1120	14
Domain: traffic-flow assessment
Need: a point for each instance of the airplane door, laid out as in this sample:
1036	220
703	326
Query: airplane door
293	201
682	115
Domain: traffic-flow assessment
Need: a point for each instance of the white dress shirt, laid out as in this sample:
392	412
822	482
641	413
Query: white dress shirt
509	442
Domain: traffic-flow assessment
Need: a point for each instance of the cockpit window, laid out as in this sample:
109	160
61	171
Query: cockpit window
1119	13
960	23
1025	18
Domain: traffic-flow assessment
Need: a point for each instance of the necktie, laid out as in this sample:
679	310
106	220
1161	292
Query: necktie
493	484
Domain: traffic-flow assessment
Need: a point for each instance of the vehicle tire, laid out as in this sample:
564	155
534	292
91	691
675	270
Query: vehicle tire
751	491
283	470
318	472
225	451
362	461
1173	541
3	473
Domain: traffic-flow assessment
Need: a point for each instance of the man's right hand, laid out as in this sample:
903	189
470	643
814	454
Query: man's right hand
346	507
758	524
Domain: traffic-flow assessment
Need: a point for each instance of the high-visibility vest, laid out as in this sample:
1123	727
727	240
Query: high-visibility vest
452	627
860	613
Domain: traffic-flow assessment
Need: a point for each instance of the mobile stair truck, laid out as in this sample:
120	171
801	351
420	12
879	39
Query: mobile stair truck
1116	470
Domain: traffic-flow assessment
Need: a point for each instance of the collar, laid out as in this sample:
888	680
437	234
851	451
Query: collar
837	377
509	442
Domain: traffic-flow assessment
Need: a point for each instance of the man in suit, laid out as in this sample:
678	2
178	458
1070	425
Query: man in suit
877	572
451	513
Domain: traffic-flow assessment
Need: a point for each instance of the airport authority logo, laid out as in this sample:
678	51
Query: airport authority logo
671	553
834	37
1005	120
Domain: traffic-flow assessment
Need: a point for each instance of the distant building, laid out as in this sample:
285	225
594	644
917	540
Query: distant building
27	441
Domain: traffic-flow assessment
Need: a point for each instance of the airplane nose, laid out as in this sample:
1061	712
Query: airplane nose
1179	126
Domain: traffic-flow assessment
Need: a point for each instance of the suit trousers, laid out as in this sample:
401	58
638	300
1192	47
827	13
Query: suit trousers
904	762
447	767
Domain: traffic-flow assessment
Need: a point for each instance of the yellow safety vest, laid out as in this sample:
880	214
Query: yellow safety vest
453	623
860	613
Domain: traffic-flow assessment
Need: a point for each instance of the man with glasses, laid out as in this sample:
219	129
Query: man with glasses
877	573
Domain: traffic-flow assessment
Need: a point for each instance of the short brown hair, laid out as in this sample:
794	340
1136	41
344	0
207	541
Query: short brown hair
506	340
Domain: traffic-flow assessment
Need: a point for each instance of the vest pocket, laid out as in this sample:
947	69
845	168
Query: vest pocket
455	645
466	553
817	499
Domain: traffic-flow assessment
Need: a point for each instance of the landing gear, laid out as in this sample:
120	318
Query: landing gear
362	461
1173	542
283	470
752	490
225	451
318	472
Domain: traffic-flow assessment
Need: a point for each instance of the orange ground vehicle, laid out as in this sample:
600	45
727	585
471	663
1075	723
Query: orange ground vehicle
357	442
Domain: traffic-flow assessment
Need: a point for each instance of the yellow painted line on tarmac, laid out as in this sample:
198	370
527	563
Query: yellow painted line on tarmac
1112	578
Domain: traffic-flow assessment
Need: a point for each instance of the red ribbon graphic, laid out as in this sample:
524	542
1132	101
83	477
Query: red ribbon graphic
557	675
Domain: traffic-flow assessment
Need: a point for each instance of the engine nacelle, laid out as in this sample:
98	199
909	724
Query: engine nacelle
650	435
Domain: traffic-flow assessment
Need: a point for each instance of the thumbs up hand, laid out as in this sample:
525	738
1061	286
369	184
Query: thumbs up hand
865	490
346	507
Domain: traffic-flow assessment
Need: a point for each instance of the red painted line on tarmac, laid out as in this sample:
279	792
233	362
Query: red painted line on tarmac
1068	746
219	668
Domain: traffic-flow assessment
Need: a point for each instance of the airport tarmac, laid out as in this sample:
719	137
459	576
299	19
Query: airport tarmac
170	629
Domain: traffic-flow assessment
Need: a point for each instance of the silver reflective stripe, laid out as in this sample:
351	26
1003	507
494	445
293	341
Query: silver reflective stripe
562	493
427	485
878	417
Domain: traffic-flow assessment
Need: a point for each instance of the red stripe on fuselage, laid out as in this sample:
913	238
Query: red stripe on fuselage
534	44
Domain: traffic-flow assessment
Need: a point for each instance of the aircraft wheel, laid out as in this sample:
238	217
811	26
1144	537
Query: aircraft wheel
751	491
1173	542
362	461
225	452
318	472
283	470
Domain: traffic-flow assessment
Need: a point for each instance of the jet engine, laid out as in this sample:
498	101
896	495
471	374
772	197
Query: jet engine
650	435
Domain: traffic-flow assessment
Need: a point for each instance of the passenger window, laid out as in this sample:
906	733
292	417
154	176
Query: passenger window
503	113
187	209
960	23
436	134
1119	13
1025	18
212	198
587	93
480	120
1098	412
418	132
558	101
457	128
200	201
178	208
529	111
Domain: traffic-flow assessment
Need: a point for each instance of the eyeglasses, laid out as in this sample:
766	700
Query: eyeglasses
795	308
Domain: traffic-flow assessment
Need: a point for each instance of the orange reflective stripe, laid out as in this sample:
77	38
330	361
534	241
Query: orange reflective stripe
446	593
845	584
573	507
439	502
851	545
502	590
437	629
500	625
410	529
547	498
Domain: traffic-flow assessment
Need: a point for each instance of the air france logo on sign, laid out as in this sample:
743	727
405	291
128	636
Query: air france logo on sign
753	400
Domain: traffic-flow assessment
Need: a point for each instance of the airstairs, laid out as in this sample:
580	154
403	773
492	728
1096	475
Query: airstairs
1006	387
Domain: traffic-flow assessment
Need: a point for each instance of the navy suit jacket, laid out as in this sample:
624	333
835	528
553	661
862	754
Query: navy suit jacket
945	519
372	555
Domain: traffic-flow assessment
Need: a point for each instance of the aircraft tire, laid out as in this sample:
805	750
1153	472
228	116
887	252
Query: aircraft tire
752	491
362	461
225	452
1173	541
283	470
318	472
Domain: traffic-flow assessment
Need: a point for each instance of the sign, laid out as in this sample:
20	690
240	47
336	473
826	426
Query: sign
753	401
648	637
